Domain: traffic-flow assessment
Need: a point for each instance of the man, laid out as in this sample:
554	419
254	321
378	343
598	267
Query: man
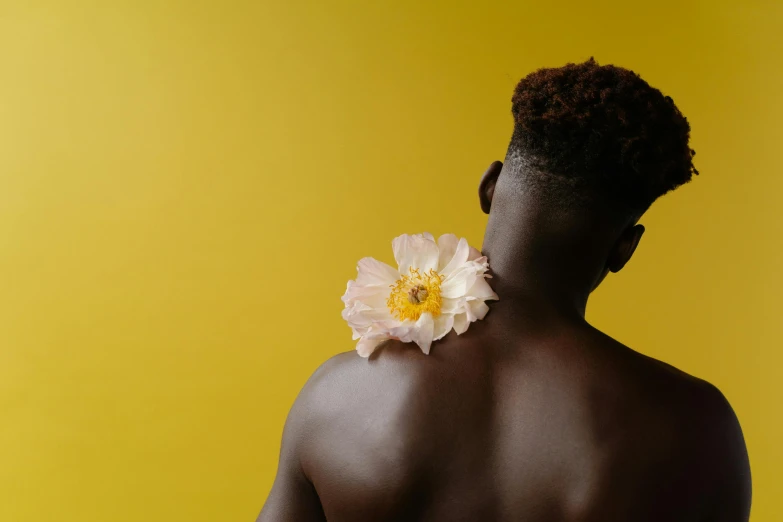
532	414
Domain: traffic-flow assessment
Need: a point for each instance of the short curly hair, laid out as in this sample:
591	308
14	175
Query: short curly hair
601	129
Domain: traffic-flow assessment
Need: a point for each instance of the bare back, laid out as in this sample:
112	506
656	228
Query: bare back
559	423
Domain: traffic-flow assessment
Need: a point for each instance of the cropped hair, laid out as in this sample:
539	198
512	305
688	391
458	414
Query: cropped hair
599	131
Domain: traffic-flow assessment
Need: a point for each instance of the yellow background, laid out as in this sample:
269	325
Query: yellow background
185	188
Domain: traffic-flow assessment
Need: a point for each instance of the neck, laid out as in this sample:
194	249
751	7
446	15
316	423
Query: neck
544	262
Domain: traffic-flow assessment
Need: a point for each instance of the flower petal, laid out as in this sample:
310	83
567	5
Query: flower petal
374	272
360	317
461	323
480	263
458	259
415	251
424	332
477	310
443	325
367	344
420	332
457	284
452	305
447	245
372	295
474	254
480	289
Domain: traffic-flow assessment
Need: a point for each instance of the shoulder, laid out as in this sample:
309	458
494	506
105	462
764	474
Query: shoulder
701	414
690	405
704	436
720	429
348	380
692	418
343	436
718	439
653	377
700	399
349	396
359	418
396	381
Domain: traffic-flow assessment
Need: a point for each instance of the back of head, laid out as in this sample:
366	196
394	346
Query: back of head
597	135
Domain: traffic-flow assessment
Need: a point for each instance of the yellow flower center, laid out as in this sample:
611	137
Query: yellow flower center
415	293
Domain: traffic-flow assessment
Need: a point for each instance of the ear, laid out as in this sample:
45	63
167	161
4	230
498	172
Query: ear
487	185
624	248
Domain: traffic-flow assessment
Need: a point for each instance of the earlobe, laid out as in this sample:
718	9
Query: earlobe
625	248
487	185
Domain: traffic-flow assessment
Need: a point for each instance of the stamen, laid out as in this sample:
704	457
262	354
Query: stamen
416	293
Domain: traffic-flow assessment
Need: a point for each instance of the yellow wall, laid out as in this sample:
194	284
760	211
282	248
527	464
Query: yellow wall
186	186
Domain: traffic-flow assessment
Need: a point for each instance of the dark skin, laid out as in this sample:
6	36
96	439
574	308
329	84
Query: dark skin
531	415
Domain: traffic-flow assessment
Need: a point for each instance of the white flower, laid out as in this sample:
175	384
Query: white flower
436	287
